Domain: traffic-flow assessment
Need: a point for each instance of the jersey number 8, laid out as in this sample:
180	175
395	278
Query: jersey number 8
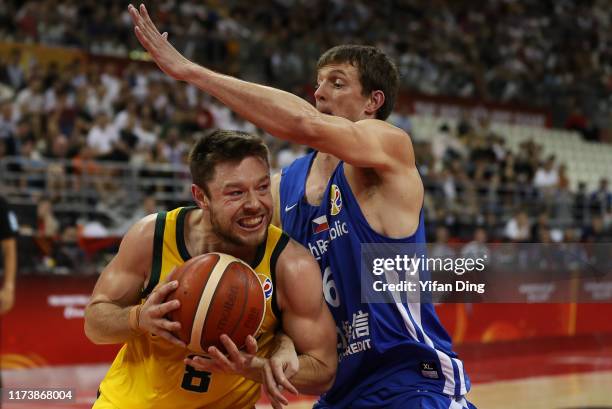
194	380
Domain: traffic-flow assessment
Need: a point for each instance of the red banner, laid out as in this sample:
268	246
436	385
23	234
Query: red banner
45	327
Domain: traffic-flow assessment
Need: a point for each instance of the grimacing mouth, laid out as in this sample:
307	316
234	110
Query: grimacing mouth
251	222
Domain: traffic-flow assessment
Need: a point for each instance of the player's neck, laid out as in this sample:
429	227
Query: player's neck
325	163
201	238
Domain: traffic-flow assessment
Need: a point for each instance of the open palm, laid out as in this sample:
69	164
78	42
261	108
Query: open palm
163	53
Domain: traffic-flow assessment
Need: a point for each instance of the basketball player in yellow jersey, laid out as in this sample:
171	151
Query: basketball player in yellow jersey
231	187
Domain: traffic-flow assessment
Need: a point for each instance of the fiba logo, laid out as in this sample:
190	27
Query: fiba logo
336	200
267	286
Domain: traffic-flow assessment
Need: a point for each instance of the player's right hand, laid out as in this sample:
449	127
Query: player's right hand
153	314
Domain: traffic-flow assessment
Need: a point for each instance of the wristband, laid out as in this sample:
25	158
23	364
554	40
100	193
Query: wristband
134	318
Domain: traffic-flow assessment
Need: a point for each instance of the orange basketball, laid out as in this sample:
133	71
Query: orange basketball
219	294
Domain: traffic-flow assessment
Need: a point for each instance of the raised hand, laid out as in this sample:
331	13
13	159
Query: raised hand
168	59
153	312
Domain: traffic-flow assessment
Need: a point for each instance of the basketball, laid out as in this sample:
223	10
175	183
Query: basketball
219	294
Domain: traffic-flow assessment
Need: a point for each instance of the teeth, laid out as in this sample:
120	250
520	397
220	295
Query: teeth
251	221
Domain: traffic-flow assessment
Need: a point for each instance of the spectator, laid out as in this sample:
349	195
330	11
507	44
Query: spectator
173	148
477	248
601	200
597	232
287	155
68	256
581	204
441	248
547	177
518	228
445	146
102	135
47	225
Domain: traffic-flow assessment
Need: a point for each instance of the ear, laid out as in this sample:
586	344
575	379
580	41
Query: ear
199	197
377	99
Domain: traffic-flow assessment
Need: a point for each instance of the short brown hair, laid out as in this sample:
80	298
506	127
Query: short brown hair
222	146
376	71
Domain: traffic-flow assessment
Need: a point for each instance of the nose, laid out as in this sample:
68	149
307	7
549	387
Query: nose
319	93
252	202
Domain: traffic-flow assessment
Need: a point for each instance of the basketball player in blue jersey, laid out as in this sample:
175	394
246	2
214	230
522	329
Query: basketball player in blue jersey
361	185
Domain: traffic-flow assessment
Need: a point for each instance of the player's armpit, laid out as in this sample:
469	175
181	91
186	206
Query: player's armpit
306	319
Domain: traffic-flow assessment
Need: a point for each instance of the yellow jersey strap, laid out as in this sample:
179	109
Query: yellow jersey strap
158	246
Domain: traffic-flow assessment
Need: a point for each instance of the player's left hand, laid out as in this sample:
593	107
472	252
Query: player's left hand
246	364
236	362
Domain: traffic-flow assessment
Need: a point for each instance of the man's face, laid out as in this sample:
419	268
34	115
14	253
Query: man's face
339	92
240	202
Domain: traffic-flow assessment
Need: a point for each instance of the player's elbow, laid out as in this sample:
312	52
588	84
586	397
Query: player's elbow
89	329
307	128
328	382
92	331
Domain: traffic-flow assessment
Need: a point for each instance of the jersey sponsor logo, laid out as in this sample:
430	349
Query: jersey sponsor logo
354	336
288	208
320	224
267	286
335	199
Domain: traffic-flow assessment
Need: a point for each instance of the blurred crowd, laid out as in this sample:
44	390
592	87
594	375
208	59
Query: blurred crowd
60	125
551	53
477	187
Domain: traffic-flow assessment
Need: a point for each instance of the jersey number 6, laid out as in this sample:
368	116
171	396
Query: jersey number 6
329	289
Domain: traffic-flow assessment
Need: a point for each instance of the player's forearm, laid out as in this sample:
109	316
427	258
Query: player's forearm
107	323
280	113
314	376
9	251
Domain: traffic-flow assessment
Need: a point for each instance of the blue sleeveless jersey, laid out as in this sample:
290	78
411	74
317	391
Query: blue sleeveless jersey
389	347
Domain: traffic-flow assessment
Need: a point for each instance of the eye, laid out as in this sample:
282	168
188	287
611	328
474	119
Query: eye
263	188
338	84
235	193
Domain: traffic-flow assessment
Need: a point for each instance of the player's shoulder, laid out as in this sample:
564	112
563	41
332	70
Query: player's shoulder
392	137
294	257
379	124
143	230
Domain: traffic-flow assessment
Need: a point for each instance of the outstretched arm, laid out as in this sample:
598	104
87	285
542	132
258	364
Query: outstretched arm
114	313
280	113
